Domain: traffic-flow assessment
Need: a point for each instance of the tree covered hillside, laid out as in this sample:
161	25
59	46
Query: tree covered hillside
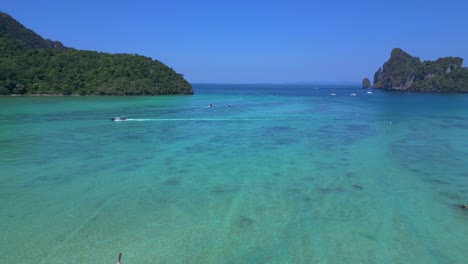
31	65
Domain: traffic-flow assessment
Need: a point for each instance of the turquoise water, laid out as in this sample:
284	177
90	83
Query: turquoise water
287	174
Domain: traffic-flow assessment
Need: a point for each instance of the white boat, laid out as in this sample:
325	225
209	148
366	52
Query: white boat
117	118
333	94
353	94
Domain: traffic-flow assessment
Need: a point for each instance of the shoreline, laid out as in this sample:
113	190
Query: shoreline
79	95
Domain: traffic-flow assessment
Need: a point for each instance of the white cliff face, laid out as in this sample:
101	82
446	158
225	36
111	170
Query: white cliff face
453	66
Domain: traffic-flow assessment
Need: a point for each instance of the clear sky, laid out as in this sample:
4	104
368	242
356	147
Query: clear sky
239	41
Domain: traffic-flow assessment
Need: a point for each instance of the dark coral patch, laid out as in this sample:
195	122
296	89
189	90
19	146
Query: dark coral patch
246	221
358	186
173	181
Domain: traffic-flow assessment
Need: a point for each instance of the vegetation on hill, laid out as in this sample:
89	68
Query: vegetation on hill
405	72
12	29
31	65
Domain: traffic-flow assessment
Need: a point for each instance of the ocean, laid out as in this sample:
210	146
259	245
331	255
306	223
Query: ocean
267	174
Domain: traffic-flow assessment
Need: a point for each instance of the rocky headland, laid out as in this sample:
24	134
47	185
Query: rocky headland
32	65
403	72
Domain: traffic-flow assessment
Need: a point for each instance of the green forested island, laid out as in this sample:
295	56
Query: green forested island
31	65
404	72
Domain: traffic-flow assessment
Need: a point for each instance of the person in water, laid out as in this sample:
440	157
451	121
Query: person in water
211	105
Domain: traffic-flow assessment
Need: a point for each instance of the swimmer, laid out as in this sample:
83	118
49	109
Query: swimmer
211	105
120	257
463	206
229	106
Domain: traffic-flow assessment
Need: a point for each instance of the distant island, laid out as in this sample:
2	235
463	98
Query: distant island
30	64
403	72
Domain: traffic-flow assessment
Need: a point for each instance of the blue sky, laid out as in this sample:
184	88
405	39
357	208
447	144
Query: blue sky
241	41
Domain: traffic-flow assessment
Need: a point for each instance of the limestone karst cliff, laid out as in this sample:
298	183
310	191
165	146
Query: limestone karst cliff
404	72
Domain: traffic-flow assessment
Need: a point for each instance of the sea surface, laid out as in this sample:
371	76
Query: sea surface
268	174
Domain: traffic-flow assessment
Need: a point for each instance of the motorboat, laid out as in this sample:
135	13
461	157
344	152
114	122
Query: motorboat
117	118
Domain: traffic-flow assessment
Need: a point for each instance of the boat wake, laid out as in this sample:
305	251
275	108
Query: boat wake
198	119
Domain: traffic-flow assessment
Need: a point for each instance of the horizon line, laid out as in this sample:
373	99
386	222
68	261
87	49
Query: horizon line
282	83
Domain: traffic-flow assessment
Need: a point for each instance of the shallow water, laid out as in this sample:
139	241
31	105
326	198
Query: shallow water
287	174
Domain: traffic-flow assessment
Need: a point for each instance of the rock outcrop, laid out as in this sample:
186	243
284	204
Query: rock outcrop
366	83
403	72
